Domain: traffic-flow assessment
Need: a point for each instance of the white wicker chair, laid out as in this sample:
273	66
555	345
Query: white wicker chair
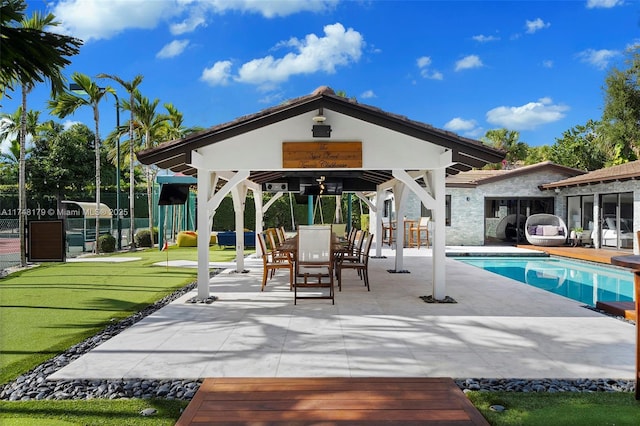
545	230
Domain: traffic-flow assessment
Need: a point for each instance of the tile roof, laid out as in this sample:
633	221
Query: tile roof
480	177
622	172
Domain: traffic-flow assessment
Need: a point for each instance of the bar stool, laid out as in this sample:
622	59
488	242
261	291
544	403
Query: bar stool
387	232
418	228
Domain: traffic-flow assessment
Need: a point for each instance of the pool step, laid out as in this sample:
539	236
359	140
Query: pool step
627	310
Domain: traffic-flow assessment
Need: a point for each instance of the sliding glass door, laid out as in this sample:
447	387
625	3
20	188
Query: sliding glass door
616	220
505	218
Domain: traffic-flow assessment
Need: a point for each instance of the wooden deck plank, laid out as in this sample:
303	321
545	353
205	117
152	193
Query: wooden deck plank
627	310
331	401
581	253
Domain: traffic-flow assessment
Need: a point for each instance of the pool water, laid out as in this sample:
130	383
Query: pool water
582	281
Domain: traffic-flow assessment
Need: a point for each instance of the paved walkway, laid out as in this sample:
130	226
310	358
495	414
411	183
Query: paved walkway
498	329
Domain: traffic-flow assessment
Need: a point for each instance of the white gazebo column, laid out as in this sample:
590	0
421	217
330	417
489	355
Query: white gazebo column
206	186
258	202
379	209
239	196
439	240
400	196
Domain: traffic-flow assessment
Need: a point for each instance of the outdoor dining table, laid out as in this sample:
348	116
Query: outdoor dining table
290	245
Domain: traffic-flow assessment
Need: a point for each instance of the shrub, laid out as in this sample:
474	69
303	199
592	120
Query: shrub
143	237
106	243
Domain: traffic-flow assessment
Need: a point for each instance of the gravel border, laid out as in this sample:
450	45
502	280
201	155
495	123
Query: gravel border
34	385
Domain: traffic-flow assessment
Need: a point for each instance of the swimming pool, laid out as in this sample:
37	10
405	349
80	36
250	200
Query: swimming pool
581	281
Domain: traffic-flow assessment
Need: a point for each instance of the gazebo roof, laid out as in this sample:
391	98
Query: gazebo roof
466	153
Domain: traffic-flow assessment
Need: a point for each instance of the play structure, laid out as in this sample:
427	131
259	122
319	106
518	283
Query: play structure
80	223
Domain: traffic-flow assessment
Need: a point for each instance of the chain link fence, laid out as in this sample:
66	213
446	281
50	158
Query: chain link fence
9	243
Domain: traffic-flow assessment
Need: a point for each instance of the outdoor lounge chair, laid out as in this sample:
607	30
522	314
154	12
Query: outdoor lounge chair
314	263
545	229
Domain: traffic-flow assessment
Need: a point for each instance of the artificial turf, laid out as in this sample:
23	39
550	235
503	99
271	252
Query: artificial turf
92	412
561	409
47	309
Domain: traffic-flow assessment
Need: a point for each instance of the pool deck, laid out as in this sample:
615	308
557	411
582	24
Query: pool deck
581	253
498	328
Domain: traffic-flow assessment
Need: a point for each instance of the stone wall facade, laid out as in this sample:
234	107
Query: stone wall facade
468	225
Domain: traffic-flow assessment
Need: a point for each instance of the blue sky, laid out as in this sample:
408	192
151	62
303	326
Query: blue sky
466	66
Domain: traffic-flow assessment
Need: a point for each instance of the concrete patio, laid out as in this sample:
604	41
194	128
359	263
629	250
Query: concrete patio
498	329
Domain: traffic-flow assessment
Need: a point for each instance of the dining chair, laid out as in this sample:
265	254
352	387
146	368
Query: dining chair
352	254
271	265
281	234
388	227
418	228
361	265
314	263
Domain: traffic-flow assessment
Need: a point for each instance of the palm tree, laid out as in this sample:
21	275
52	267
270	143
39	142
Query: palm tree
10	127
153	126
67	103
131	88
30	55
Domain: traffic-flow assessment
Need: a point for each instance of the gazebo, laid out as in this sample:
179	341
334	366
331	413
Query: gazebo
349	146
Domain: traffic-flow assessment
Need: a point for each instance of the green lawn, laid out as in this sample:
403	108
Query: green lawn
562	409
93	412
47	309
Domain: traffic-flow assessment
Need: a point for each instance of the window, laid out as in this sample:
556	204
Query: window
388	208
447	210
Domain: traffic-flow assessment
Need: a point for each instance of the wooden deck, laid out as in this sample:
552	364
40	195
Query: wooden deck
581	253
330	401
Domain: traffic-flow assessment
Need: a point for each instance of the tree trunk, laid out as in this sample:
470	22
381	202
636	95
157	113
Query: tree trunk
22	190
96	117
132	190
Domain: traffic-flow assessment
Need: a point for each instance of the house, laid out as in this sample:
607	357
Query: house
605	203
485	207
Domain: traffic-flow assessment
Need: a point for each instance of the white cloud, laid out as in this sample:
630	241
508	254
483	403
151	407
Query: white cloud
368	94
471	61
173	49
218	75
271	98
485	39
468	128
528	116
338	47
603	4
99	19
547	63
103	19
598	58
424	63
268	9
70	123
536	25
188	25
460	125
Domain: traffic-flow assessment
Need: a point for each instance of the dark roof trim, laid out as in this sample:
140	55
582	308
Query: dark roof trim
173	155
619	173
